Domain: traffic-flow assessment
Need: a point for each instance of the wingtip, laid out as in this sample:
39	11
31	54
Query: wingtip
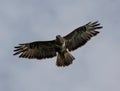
95	22
99	27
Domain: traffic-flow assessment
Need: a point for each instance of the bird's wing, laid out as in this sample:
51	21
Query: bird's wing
38	50
81	35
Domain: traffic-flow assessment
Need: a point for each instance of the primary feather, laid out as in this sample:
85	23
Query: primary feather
81	35
38	50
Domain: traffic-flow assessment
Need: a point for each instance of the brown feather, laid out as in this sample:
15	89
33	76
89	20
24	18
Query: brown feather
48	49
38	50
81	35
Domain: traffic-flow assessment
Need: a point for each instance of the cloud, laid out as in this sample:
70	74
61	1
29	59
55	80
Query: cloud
96	67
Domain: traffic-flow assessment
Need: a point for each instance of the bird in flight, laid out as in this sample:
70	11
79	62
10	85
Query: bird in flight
60	46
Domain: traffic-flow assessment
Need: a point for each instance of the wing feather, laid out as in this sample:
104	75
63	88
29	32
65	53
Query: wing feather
38	50
81	35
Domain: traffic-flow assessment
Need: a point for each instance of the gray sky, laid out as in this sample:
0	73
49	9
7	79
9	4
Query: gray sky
97	64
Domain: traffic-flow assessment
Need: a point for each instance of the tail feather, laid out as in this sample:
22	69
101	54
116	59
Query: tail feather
64	59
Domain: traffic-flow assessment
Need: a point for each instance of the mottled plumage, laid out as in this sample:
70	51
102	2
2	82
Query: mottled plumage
59	47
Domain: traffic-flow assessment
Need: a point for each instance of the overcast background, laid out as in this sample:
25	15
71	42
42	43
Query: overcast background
97	64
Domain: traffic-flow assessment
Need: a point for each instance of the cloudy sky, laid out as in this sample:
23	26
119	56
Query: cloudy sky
97	64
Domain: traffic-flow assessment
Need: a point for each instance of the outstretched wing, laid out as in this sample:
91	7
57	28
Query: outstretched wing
81	35
38	50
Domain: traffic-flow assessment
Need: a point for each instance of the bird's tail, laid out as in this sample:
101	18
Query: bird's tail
64	59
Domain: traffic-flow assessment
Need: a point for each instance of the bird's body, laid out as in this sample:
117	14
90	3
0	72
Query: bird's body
61	46
64	58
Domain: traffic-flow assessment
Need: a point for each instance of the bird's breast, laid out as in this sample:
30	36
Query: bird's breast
61	48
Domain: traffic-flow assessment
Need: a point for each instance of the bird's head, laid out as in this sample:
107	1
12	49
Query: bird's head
58	36
60	39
